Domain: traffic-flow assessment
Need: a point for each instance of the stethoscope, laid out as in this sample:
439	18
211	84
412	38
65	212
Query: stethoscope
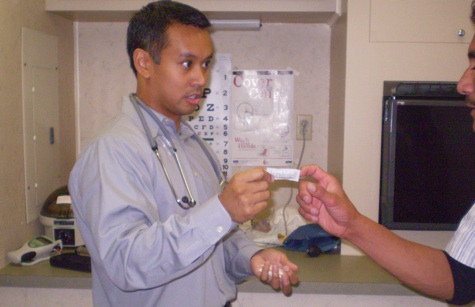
186	202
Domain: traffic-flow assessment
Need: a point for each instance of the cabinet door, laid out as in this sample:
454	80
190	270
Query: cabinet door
40	118
431	21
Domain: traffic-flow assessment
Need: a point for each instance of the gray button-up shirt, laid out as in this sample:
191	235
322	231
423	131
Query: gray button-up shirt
145	249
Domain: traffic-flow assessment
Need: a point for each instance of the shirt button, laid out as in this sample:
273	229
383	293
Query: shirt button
219	229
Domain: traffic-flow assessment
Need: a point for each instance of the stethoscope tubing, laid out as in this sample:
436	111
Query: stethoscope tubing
186	202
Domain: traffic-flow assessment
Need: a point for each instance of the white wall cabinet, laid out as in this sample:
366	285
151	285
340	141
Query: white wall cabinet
298	11
424	21
40	118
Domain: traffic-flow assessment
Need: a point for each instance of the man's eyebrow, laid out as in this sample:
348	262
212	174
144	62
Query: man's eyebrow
210	56
189	55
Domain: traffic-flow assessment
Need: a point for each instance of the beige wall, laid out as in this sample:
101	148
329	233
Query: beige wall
14	15
368	65
336	108
105	76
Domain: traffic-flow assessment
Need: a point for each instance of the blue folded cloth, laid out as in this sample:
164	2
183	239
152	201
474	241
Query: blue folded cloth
311	235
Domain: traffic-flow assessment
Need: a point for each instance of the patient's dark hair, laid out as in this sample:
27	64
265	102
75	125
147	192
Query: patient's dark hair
147	27
473	12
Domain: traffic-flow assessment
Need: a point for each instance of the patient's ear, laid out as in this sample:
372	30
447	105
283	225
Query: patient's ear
142	61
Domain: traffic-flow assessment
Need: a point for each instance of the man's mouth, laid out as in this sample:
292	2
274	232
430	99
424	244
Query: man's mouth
194	98
470	104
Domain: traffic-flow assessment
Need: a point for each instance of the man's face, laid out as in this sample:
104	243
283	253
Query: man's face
466	83
178	81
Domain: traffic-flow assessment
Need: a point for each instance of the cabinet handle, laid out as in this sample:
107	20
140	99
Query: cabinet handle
461	32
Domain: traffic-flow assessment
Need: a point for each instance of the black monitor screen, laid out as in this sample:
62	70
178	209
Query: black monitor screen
428	164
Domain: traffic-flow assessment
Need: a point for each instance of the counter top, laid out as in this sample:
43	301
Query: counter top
326	274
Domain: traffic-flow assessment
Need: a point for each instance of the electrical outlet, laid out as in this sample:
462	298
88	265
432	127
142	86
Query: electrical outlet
304	127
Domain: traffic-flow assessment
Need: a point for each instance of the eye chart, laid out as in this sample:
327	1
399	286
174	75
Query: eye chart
211	120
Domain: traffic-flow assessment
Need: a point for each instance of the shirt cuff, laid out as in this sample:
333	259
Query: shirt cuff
213	220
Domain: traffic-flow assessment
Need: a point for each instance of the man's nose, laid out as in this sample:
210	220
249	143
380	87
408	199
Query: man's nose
465	84
200	77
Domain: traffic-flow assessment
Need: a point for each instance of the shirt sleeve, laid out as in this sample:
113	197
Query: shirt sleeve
464	282
239	249
462	245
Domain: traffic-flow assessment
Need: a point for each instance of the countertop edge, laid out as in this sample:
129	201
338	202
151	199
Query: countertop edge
327	274
249	286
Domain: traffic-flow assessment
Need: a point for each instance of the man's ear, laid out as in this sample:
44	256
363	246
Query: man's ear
142	61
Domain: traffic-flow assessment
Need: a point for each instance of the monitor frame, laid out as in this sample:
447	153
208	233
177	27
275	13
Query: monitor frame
388	171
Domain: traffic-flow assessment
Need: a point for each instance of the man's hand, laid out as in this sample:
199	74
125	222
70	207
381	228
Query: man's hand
273	267
246	194
324	201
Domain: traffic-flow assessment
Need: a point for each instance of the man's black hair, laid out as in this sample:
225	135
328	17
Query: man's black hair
147	27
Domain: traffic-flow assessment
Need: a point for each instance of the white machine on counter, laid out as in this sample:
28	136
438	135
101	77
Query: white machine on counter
58	218
36	250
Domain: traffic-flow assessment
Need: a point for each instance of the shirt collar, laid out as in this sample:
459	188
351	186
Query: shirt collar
184	131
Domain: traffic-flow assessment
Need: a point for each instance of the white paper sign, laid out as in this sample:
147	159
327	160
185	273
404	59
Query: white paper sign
261	117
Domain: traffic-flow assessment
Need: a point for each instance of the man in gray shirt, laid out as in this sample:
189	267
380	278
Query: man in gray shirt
148	246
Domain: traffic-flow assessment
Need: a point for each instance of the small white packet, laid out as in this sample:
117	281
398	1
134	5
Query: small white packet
291	174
